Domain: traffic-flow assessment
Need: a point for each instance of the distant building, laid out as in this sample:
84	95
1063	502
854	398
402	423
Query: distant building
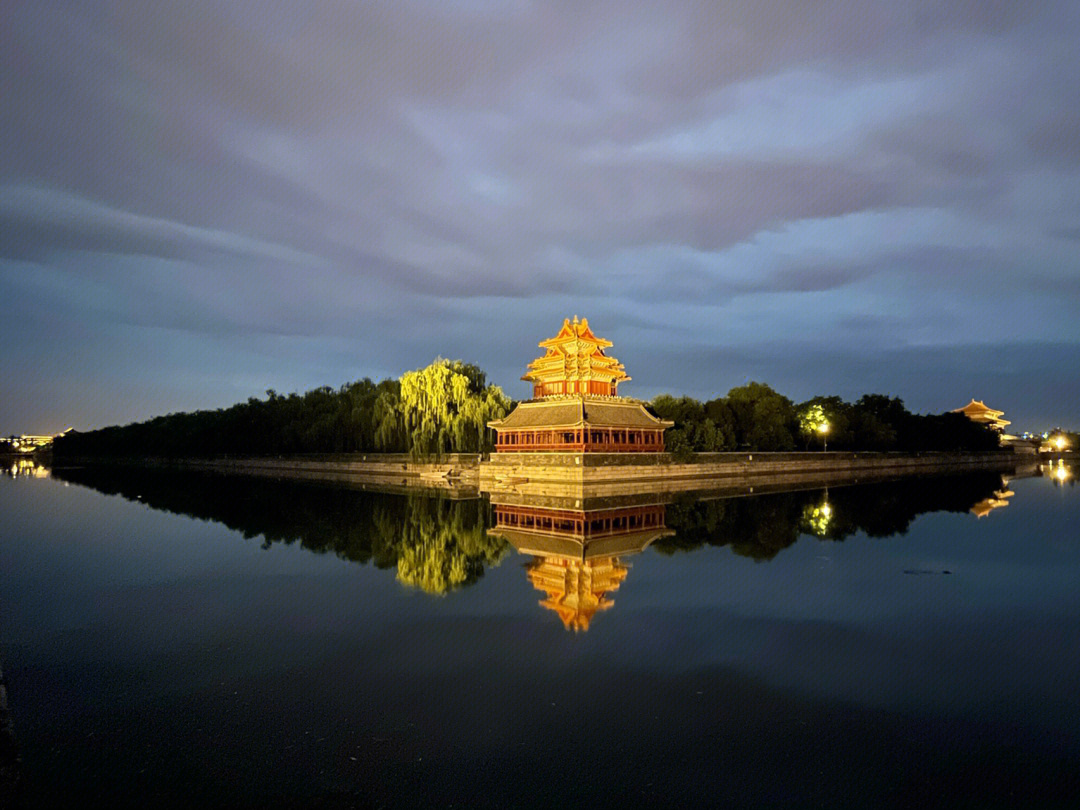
977	411
29	442
575	406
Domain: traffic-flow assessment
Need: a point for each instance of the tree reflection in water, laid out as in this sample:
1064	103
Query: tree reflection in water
437	543
762	526
440	544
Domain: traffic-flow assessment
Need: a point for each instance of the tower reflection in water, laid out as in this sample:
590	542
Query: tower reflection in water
577	552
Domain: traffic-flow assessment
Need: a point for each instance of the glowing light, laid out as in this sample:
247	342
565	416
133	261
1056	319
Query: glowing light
1061	474
816	519
823	427
1060	442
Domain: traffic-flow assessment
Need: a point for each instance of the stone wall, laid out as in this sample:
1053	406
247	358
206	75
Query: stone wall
595	474
591	474
457	473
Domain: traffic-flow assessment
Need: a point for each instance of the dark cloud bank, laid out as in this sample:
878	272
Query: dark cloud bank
203	202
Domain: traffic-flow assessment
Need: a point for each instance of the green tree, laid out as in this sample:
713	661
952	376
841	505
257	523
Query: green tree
446	407
831	411
764	419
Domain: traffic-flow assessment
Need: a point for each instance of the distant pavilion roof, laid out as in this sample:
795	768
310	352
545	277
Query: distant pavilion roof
979	411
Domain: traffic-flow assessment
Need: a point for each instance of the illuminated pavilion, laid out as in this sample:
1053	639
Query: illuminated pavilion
977	411
575	405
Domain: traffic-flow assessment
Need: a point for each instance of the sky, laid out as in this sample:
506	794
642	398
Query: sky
204	200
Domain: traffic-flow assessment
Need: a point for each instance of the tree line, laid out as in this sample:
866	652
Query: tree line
443	408
755	417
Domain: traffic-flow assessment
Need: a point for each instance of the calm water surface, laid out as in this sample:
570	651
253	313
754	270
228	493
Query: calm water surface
193	640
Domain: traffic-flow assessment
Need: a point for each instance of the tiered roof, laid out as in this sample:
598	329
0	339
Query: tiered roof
978	411
576	356
572	412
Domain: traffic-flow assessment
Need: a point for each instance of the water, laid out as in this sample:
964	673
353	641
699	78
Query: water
204	641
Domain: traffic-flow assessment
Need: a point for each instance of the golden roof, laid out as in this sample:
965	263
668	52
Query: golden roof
575	353
578	411
978	407
978	411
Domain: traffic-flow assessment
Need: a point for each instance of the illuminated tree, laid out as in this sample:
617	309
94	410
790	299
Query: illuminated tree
446	407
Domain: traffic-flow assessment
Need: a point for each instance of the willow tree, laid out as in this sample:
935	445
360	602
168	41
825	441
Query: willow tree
446	406
387	425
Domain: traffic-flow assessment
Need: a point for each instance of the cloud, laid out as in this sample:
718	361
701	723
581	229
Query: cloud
35	222
412	179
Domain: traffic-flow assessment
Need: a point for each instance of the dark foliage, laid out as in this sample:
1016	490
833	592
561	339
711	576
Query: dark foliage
762	526
755	417
444	407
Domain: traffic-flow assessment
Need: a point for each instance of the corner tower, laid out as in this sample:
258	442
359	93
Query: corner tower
575	405
574	363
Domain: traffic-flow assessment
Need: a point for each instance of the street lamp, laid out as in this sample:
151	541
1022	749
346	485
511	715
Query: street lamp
1060	443
823	429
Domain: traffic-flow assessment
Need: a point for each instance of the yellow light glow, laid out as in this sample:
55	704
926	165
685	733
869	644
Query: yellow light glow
826	510
1059	442
823	427
1061	473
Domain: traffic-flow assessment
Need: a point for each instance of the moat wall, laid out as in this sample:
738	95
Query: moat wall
457	473
595	474
589	473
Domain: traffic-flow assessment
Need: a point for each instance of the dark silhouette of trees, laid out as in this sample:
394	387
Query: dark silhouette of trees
445	408
439	409
755	417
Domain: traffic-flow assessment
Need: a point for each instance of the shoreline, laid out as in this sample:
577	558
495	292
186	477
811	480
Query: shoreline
590	475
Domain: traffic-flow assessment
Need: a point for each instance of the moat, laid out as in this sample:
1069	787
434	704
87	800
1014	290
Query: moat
206	640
